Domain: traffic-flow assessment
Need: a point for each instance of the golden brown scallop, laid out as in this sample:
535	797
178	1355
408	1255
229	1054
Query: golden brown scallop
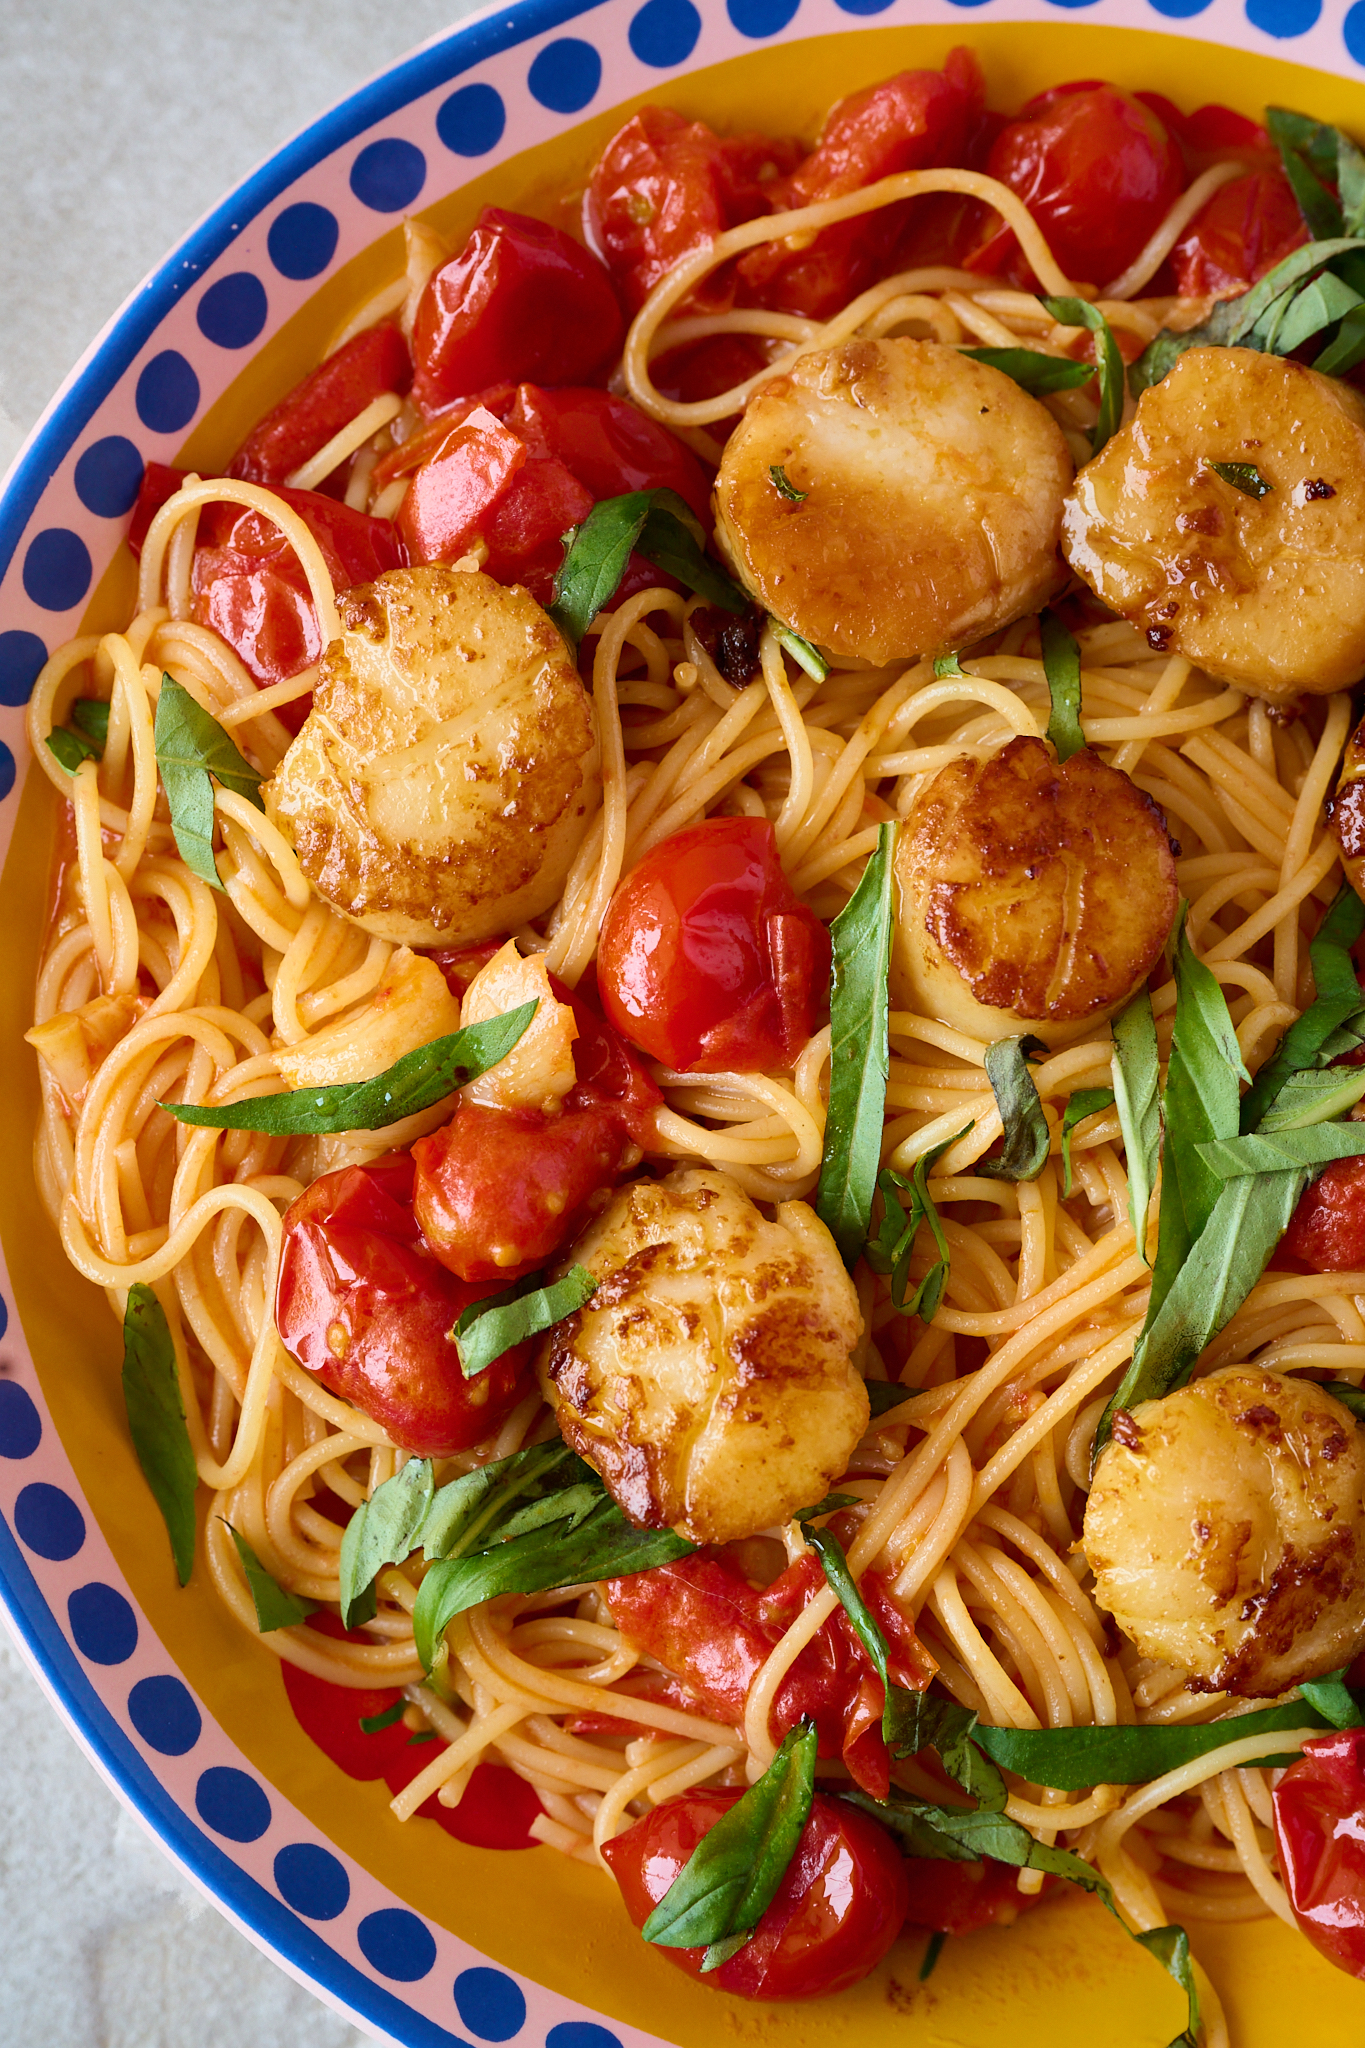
1268	592
1347	812
1031	897
443	781
932	497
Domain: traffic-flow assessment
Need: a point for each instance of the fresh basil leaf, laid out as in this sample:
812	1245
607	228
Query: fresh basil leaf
932	1951
859	1053
1062	667
1350	184
839	1579
1331	1697
417	1081
1073	1759
1080	313
1244	477
674	540
1170	1946
1136	1070
1314	1098
1337	997
1085	1102
1235	1158
384	1530
921	1721
731	1878
69	748
156	1421
191	747
1320	304
665	530
884	1395
890	1250
274	1607
802	653
784	485
1026	1133
90	715
1032	370
830	1505
1308	152
1241	322
947	665
1349	1395
90	719
1346	348
375	1724
488	1328
422	1735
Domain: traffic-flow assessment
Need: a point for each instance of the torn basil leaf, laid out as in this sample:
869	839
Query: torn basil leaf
1314	1098
859	1053
1080	313
375	1724
1021	1113
802	653
1084	1103
1346	348
468	1512
274	1607
1073	1759
1337	999
1315	1146
947	665
192	752
1244	477
830	1505
1033	371
1308	152
783	484
1062	667
416	1082
1137	1094
90	715
156	1421
884	1395
69	748
1248	321
488	1328
659	525
1331	1697
890	1250
383	1530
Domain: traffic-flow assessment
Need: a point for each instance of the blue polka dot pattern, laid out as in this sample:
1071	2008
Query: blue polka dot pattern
1283	18
1179	10
490	2004
312	1881
232	1804
759	18
108	475
167	396
102	1623
302	240
8	771
665	32
49	1522
233	310
57	569
580	2034
21	1431
471	121
4	1307
165	1716
397	1944
21	657
565	75
1353	31
388	175
863	6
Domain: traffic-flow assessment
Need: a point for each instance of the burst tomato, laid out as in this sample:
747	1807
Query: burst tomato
1320	1828
958	1898
837	1910
1247	227
1327	1230
327	400
362	1303
708	959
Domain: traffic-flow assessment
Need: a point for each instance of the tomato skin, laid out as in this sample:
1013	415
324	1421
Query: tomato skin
159	482
1320	1829
356	1276
708	960
836	1913
498	1191
608	444
959	1898
611	1076
1247	227
1327	1230
1098	172
327	399
521	300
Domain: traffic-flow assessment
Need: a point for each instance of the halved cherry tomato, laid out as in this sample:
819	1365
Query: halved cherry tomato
708	959
1320	1828
836	1913
611	1076
522	299
609	444
958	1898
1247	227
1327	1230
327	400
362	1303
1097	171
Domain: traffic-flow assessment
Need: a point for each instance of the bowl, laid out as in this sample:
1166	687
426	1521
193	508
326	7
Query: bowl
420	1937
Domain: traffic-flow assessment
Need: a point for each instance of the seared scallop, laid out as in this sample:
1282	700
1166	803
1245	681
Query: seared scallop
1226	1531
1257	575
922	505
710	1377
1348	810
443	781
539	1070
1031	896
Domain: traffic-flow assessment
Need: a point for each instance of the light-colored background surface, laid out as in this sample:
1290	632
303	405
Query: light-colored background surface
121	121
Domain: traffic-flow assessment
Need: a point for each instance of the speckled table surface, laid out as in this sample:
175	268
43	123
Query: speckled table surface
119	125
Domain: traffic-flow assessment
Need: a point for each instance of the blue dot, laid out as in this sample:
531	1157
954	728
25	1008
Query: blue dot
1283	18
863	6
303	240
1179	10
471	121
312	1881
397	1943
108	476
580	2034
167	395
57	569
4	1311
1353	31
490	2004
565	75
49	1522
388	175
232	1804
8	771
20	1430
759	18
233	311
22	656
665	32
165	1716
102	1623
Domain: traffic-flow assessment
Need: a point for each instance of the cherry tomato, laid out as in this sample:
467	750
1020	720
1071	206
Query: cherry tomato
1211	134
327	400
159	482
522	299
708	960
1320	1828
1097	171
610	445
1247	227
1327	1230
250	587
362	1303
836	1913
958	1898
611	1076
498	1191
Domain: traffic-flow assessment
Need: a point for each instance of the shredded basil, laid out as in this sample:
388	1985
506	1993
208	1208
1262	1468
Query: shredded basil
156	1421
1258	319
663	528
884	1395
375	1724
90	720
192	752
1080	313
1232	1159
274	1607
1086	1102
1027	1139
1350	1396
1032	370
1337	1000
933	1949
947	665
1137	1073
890	1250
488	1328
415	1082
802	653
1244	477
830	1505
1330	1695
1072	1759
784	485
859	1053
382	1531
1062	667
